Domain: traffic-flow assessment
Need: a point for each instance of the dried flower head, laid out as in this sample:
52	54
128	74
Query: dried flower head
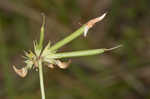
32	58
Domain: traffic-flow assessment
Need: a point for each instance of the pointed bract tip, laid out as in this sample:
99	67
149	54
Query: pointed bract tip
102	16
91	23
114	47
43	15
21	72
95	20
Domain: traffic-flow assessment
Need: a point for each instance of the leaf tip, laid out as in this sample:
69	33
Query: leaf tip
114	47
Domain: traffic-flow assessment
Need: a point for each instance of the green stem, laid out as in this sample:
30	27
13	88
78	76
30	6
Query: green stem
42	33
81	30
68	39
41	80
40	62
79	53
83	53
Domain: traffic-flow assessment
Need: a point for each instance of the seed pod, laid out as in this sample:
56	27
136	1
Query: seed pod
91	23
21	72
51	66
63	65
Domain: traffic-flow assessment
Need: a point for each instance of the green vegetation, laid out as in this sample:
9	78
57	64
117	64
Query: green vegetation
118	74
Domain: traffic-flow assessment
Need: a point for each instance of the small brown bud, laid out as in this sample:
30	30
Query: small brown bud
51	66
91	23
21	72
63	65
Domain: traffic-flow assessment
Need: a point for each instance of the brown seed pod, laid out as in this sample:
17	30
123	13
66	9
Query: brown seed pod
91	23
21	72
63	65
51	66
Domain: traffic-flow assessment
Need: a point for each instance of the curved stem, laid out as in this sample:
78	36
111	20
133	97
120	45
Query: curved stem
41	80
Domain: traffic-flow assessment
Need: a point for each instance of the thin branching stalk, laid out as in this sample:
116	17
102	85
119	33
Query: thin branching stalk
68	39
41	79
83	29
78	53
83	53
40	62
42	33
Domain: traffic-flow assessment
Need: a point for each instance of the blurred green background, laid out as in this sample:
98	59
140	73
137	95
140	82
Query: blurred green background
120	74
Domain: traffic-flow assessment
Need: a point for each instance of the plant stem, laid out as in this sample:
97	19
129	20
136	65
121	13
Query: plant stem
41	80
83	53
78	53
68	39
42	33
40	62
83	29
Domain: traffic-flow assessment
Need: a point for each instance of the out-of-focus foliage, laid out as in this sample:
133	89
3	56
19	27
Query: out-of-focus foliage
121	74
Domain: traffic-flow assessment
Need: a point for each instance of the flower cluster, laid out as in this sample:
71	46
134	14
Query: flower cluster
48	55
45	55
